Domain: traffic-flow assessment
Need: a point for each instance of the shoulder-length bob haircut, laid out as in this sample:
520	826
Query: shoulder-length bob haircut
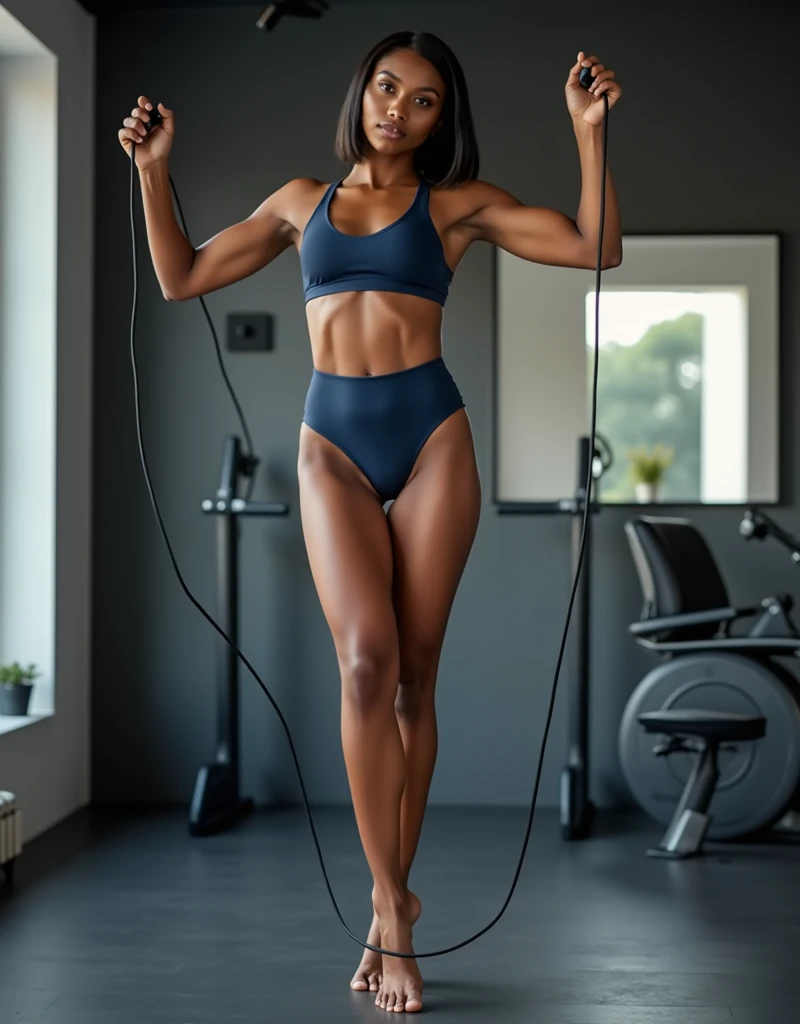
446	158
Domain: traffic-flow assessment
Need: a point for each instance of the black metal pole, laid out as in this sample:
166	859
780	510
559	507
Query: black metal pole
227	660
576	808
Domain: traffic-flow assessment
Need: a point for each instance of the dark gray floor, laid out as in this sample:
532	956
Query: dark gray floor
125	920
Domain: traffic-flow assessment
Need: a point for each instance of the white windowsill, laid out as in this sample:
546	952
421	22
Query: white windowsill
8	723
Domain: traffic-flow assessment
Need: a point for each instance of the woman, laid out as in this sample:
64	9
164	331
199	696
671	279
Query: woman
384	420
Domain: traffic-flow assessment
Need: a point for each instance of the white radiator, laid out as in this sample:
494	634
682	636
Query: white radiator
10	830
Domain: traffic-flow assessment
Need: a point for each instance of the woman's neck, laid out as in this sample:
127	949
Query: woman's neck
383	172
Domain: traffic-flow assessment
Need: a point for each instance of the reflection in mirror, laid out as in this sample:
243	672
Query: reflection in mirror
688	375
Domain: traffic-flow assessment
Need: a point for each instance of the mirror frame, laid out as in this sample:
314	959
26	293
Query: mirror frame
774	321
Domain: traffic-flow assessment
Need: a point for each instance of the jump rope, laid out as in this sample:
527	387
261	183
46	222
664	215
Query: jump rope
251	461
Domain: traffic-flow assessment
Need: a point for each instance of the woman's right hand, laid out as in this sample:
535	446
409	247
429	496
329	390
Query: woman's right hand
153	147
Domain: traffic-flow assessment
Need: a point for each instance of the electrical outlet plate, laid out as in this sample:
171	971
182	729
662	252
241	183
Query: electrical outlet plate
249	332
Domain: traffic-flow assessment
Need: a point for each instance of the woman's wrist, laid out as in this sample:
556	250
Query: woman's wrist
155	169
586	131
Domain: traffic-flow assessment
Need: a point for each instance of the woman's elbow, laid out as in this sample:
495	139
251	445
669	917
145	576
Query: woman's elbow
179	293
614	260
611	258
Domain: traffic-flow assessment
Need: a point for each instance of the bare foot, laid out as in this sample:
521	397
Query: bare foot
370	971
400	989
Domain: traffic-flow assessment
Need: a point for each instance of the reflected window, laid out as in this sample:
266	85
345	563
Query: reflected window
673	372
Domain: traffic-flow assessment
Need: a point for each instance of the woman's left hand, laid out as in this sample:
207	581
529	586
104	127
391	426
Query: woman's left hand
586	105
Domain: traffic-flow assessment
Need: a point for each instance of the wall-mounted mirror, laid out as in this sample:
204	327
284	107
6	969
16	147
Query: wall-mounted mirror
689	339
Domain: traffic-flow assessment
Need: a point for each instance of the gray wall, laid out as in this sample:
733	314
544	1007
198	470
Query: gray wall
689	152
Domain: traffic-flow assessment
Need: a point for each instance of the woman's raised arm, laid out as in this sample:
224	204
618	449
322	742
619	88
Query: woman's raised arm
231	255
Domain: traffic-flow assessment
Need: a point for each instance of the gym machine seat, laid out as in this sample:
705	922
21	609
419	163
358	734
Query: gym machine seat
700	732
725	703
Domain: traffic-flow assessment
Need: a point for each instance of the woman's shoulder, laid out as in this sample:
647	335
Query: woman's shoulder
304	184
301	188
459	202
294	201
473	190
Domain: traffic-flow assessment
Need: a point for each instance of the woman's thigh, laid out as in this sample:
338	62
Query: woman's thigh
433	523
349	551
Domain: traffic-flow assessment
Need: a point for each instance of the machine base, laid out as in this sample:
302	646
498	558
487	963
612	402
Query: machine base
216	804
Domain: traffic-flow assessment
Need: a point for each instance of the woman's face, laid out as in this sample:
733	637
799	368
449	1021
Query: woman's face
402	103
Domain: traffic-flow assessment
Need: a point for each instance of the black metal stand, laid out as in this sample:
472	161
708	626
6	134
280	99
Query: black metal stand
217	803
576	809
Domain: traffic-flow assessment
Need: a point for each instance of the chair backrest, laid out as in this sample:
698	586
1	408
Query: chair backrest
677	572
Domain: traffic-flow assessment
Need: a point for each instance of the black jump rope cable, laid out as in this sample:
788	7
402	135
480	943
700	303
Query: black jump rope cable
155	119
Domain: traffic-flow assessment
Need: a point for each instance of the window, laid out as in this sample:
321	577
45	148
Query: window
673	372
28	267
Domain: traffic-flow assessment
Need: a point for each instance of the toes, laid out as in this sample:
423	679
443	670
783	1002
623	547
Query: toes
396	1002
413	1003
366	981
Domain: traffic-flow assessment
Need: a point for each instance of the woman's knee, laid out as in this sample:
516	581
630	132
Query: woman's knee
370	676
418	673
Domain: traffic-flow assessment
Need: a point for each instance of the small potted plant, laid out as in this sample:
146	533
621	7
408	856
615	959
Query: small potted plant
16	684
647	468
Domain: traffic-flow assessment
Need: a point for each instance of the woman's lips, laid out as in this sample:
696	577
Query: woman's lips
389	131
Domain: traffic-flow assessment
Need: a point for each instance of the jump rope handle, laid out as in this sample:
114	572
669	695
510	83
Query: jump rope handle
156	118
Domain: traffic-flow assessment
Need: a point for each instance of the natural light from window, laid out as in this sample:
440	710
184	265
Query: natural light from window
28	269
673	372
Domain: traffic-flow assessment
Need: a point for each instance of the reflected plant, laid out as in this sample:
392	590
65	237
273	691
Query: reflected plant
648	465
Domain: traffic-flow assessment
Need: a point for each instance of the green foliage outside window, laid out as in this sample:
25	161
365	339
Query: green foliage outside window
648	394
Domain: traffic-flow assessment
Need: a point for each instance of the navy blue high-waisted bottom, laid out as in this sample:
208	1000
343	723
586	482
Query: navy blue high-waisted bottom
382	422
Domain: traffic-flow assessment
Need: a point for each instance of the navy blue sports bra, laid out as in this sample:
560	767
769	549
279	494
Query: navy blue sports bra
405	256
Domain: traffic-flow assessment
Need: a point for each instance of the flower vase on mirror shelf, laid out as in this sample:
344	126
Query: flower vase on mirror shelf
647	494
648	466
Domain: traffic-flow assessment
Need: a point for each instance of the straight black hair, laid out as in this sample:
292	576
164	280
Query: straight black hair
446	158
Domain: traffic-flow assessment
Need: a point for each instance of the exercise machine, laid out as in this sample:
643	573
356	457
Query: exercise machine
727	711
217	803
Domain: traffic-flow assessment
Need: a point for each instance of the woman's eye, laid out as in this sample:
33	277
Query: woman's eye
386	86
